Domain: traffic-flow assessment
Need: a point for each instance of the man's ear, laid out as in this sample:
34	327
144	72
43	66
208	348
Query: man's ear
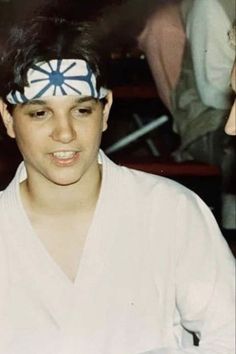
106	109
7	119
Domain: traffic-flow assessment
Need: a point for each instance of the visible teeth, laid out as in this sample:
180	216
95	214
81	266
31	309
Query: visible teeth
64	154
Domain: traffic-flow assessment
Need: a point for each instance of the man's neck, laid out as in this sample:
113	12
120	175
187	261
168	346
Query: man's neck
52	199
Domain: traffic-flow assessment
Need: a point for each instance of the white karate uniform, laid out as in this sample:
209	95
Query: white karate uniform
154	263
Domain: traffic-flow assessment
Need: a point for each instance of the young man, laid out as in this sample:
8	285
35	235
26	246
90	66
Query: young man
96	258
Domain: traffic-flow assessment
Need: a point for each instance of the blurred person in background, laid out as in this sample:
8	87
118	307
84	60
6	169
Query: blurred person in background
230	127
163	40
201	99
186	45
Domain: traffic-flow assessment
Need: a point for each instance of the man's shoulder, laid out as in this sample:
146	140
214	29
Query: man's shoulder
148	184
134	185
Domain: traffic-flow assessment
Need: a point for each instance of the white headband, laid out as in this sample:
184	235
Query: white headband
58	77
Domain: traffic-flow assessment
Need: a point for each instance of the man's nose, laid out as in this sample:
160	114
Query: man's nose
63	130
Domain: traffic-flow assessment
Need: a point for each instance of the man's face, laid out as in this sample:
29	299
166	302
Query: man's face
59	137
230	127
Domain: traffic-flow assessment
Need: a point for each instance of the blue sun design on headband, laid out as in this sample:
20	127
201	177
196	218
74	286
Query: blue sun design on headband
58	79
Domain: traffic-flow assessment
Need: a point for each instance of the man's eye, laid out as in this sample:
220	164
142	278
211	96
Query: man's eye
82	111
38	114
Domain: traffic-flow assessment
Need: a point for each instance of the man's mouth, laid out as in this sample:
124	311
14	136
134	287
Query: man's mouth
64	155
65	158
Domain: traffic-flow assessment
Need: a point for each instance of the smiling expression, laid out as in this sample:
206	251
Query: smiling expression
59	137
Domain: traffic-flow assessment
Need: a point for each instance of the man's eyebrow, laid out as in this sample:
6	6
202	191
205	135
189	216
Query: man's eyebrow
85	99
33	102
44	102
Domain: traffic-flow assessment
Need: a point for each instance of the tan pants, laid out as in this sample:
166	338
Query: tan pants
163	41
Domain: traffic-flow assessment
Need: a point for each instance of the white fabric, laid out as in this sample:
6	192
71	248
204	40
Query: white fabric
58	77
154	262
207	27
